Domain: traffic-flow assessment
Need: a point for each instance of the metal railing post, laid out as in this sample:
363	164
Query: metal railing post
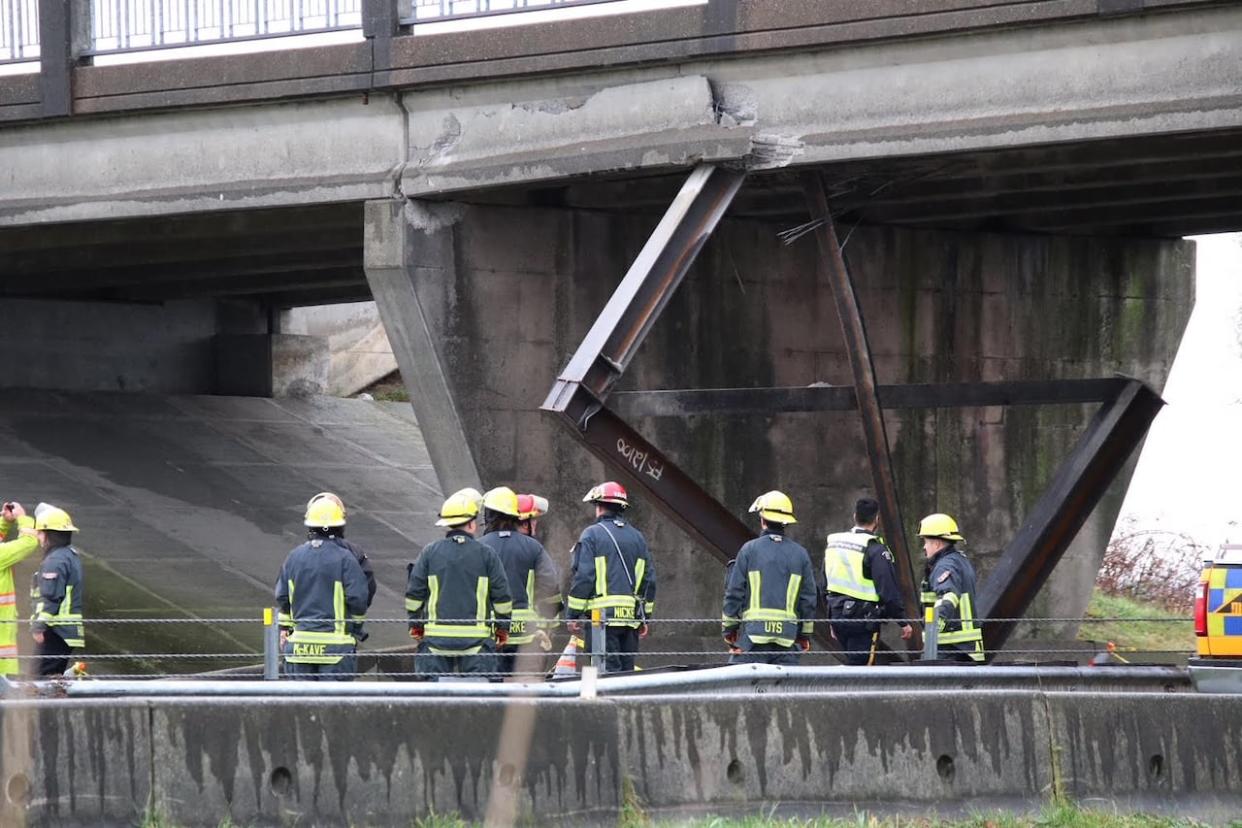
271	645
64	34
931	632
598	641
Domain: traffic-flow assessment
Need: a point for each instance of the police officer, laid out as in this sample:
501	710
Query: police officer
355	627
57	592
454	588
949	584
613	572
533	579
18	541
321	597
770	597
862	587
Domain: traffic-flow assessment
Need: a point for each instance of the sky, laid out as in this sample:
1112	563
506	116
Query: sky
1189	476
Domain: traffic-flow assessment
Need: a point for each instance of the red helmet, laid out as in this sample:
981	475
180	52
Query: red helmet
610	492
531	506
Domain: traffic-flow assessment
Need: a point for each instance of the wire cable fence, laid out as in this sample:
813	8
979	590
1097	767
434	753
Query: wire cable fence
549	661
19	30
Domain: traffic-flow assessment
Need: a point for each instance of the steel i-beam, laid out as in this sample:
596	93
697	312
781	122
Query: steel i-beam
580	393
874	435
1111	437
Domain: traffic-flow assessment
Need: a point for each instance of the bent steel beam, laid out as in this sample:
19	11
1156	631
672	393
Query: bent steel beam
1111	437
582	388
859	350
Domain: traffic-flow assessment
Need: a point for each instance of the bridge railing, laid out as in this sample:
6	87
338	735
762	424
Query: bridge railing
19	30
117	26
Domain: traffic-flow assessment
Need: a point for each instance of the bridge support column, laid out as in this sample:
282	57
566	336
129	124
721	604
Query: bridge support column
398	257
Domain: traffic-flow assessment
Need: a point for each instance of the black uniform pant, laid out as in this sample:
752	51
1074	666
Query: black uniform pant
768	654
344	670
53	654
621	645
858	642
445	663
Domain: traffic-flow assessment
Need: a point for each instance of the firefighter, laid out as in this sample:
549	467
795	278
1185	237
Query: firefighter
455	587
769	601
949	583
861	583
355	627
19	542
613	572
533	579
57	592
531	507
321	597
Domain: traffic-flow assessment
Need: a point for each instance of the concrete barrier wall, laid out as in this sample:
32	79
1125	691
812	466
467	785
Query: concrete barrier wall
386	762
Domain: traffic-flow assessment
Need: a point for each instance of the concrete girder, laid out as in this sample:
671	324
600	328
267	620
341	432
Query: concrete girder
284	154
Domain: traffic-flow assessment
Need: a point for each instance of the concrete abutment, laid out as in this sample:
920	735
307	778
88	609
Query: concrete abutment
505	295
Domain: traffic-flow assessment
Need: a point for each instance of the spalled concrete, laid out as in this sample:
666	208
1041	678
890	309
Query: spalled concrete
507	295
386	762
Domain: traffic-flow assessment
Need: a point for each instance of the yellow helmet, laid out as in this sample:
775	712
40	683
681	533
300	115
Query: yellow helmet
54	520
324	511
502	499
939	526
460	508
472	494
774	506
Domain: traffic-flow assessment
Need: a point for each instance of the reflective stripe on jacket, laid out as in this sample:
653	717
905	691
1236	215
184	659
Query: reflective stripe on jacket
613	571
770	592
843	566
458	589
533	580
321	594
950	582
57	596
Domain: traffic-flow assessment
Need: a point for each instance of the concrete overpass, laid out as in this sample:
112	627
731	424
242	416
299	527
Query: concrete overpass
1013	176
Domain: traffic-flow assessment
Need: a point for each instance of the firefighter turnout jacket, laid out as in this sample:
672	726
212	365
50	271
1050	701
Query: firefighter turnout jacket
613	572
860	578
458	591
56	593
950	581
321	595
533	580
770	593
15	549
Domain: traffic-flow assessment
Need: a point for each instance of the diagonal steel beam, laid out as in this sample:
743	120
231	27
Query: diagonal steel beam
1111	437
859	351
622	325
580	391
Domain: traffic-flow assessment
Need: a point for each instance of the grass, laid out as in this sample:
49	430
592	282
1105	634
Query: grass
1175	634
389	389
1064	815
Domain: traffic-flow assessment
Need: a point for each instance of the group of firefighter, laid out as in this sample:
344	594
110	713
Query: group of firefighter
483	599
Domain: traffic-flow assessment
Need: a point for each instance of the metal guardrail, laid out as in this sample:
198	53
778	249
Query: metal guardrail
135	25
118	26
19	30
424	11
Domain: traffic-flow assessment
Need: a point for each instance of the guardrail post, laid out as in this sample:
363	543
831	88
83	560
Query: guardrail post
599	643
931	632
271	645
64	34
381	22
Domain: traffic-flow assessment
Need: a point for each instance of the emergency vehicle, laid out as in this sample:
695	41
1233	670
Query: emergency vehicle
1218	623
